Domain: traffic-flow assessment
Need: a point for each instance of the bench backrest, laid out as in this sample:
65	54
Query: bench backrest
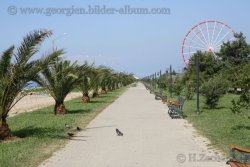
173	107
161	91
181	100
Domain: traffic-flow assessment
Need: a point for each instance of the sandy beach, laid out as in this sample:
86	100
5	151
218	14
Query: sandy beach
32	102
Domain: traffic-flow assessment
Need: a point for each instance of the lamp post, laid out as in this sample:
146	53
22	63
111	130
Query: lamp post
53	40
171	82
197	63
155	80
152	81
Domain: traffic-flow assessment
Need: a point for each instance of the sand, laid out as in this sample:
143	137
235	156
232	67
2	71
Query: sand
32	102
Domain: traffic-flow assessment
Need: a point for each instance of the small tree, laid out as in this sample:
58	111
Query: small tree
17	69
242	80
177	87
213	90
85	85
189	90
235	52
60	79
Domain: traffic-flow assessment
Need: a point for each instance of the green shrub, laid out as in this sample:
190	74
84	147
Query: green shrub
213	90
177	86
189	90
236	107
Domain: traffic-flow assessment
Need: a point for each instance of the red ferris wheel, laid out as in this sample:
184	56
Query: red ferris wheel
206	36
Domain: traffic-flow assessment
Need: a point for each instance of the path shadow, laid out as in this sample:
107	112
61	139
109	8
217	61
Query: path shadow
80	136
77	139
98	127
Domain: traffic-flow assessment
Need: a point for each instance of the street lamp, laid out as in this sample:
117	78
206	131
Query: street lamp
171	82
197	63
53	40
155	80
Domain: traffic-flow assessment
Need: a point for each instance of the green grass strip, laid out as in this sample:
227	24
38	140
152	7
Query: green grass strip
220	125
43	132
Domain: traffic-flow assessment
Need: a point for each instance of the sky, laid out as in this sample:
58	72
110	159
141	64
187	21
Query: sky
138	43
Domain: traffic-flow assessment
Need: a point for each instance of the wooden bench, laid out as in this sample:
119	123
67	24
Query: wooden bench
175	112
175	108
240	157
178	103
164	99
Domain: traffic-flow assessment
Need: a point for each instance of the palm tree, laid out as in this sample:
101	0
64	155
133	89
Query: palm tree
17	69
105	77
85	86
95	81
60	79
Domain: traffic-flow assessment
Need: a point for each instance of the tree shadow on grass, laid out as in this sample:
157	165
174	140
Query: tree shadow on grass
91	101
97	101
217	108
79	111
241	127
32	131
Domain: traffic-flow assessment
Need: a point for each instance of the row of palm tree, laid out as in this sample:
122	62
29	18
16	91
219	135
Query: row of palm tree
18	68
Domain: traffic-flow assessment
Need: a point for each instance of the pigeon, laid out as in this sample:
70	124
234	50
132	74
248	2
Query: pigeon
67	126
78	128
119	133
71	134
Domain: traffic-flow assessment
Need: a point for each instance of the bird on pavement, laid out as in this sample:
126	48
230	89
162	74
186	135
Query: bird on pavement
71	134
119	133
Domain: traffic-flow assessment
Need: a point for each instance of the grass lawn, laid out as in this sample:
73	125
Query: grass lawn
220	126
43	133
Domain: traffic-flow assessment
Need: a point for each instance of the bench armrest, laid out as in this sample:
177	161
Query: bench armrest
173	102
240	149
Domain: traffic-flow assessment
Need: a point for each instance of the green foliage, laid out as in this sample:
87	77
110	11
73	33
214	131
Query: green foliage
17	69
209	66
213	90
189	90
235	52
177	86
163	81
242	80
236	107
61	78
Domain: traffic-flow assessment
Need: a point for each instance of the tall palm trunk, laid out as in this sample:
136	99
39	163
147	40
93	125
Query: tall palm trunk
95	93
4	129
59	108
85	97
104	90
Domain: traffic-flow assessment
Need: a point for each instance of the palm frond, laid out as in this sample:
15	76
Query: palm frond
5	60
30	45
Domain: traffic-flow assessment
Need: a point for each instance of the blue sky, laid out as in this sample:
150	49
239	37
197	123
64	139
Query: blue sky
141	44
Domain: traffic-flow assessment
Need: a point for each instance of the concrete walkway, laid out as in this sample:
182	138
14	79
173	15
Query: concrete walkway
151	138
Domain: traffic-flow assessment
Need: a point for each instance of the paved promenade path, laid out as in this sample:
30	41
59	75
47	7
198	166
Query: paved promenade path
151	138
